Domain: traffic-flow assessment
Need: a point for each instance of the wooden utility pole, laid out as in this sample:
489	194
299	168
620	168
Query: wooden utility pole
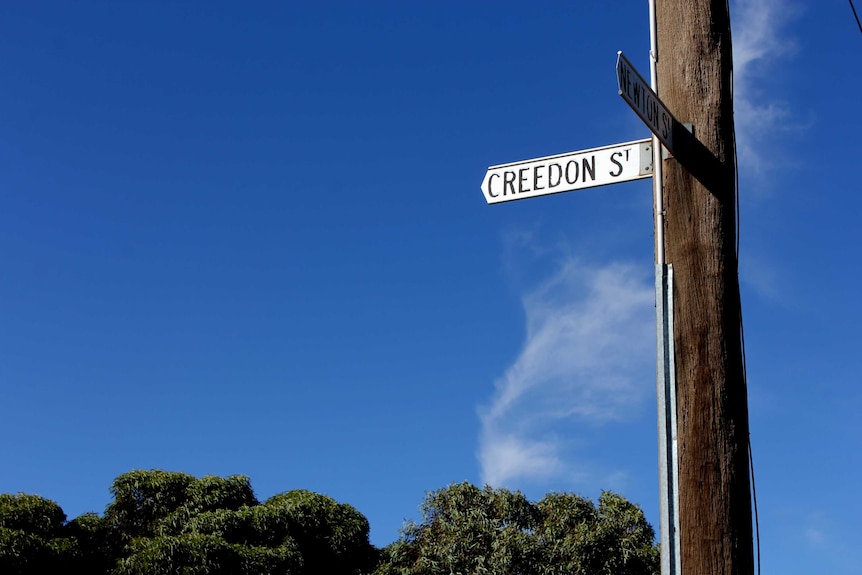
695	81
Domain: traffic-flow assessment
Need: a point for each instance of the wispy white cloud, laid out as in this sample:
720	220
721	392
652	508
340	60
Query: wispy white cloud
758	41
590	340
815	536
761	275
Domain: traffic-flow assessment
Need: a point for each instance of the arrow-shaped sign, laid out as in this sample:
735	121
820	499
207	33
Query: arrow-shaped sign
677	138
646	104
567	172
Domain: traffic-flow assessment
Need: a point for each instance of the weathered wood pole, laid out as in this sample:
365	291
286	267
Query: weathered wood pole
695	81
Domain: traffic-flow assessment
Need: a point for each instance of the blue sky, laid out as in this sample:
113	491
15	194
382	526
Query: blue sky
250	238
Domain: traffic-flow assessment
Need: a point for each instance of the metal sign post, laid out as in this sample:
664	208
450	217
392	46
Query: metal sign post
645	102
610	165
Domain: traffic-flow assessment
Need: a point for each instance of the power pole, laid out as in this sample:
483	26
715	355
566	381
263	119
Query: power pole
695	79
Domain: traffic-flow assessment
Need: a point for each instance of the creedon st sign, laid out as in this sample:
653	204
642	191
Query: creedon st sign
568	172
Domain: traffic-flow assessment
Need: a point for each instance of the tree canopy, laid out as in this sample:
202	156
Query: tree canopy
31	534
465	529
165	523
172	522
162	523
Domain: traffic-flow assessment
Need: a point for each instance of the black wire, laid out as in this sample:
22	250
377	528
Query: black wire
739	299
742	349
744	362
858	23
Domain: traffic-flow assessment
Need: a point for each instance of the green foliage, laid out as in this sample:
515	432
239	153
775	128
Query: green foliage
210	493
31	535
199	554
22	553
233	526
141	498
31	513
465	529
165	519
165	523
626	537
614	538
96	544
332	536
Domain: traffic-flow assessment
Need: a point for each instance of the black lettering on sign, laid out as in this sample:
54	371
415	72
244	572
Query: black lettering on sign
521	179
573	179
589	168
537	176
619	166
655	118
490	189
665	128
551	182
509	182
625	82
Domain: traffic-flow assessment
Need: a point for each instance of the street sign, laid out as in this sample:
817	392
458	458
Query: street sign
646	104
567	172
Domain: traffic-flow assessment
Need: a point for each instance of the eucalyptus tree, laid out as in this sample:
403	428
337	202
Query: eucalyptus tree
162	523
175	523
32	538
465	529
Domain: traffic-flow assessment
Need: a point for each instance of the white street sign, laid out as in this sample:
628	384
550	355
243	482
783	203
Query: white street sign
567	172
646	104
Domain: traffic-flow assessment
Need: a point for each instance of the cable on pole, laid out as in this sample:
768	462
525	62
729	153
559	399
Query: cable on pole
858	23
